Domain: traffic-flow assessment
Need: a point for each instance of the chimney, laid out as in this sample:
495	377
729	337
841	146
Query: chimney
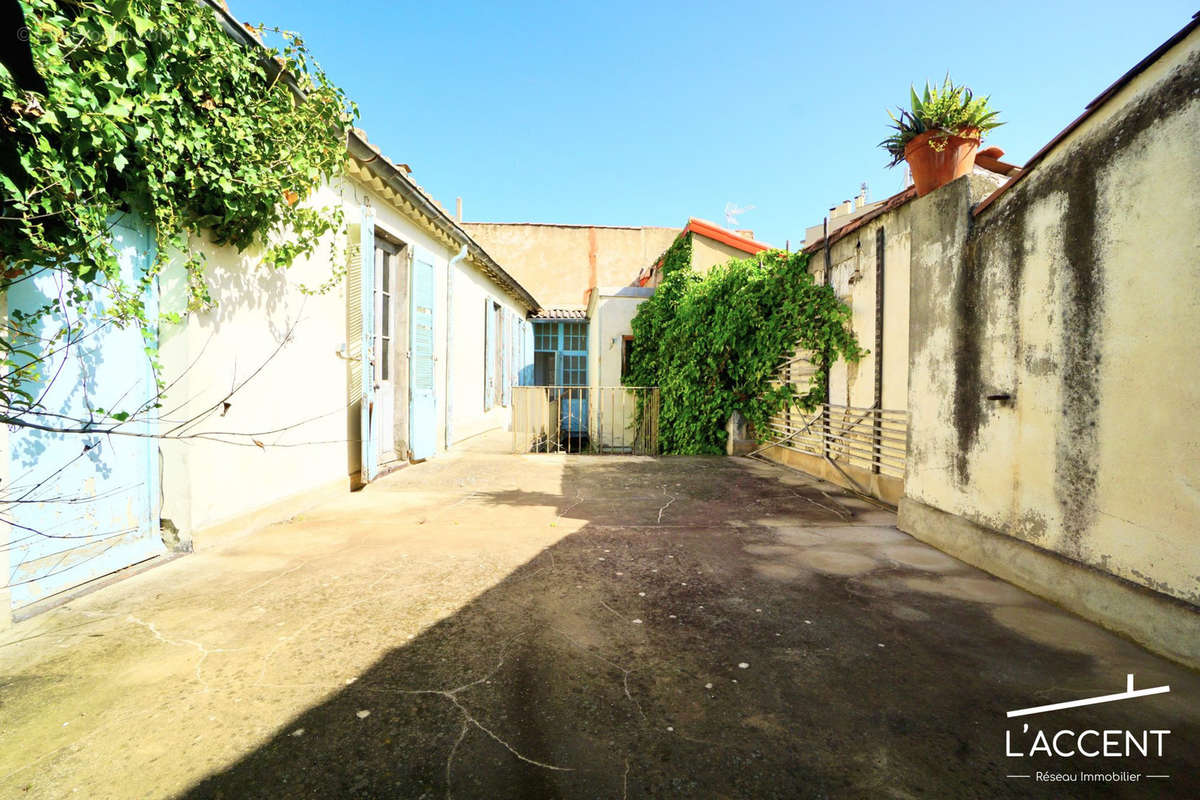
458	209
745	233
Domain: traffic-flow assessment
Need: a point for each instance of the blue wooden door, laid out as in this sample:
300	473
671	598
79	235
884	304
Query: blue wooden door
489	354
368	426
88	503
422	413
572	372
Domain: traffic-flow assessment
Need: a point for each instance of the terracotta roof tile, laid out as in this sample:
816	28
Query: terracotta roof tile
560	313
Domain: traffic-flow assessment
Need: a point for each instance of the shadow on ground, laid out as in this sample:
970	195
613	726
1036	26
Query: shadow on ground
721	630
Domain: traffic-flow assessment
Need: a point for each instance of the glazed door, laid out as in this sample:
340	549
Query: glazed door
385	283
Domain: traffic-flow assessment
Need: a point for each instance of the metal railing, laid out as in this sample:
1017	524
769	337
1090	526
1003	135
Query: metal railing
585	419
873	439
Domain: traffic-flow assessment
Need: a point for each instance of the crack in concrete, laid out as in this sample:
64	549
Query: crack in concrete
275	577
664	508
837	508
578	500
468	717
625	671
618	614
462	734
365	596
204	651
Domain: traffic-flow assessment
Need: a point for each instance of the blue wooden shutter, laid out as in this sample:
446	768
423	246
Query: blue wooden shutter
489	354
368	424
84	517
509	357
422	413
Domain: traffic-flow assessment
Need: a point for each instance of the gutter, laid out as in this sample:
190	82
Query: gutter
390	174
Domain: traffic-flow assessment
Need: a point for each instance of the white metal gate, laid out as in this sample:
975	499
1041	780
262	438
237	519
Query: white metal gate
585	419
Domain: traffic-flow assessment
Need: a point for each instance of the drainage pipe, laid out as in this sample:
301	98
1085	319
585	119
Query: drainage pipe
450	343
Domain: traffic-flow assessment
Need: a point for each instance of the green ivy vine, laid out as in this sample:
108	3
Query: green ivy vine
677	256
713	343
153	108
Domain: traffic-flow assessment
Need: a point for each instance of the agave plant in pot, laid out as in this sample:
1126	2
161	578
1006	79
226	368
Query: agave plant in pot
940	134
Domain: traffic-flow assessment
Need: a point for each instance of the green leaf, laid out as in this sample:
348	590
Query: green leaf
135	63
141	24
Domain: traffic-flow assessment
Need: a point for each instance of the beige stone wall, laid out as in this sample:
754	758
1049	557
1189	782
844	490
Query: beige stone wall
707	253
559	263
1076	294
471	413
206	483
611	312
305	386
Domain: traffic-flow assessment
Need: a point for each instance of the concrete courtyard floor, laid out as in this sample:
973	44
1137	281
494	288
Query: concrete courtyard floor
489	625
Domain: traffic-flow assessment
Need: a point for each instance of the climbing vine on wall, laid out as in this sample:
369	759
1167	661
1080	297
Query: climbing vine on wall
677	256
713	343
151	107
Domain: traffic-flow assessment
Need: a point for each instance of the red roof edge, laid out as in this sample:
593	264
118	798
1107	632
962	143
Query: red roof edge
719	234
1090	109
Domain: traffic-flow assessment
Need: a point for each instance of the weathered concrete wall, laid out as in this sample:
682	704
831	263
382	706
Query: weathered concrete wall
886	488
854	262
1074	294
561	262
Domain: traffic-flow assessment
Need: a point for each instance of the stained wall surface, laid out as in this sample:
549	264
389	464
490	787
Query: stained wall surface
1053	369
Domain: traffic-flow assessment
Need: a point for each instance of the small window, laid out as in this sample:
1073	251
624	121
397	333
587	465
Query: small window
385	262
575	337
626	355
574	370
543	369
545	336
560	353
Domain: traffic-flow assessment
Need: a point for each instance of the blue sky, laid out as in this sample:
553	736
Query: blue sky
646	113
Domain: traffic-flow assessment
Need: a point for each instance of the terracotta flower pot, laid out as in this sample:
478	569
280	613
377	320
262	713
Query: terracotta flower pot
936	163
